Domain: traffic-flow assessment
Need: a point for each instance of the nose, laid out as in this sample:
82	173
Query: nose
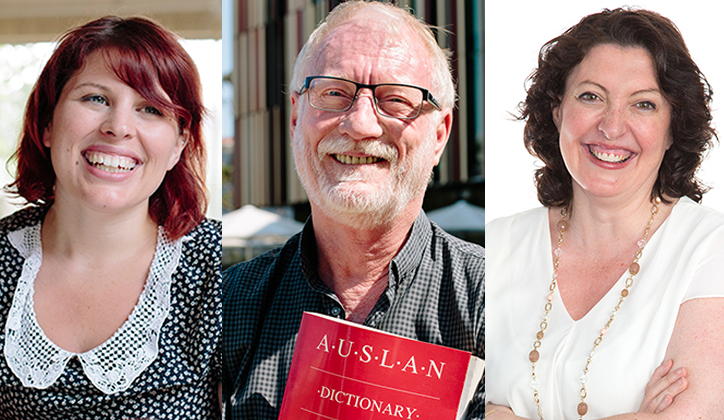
361	121
119	123
612	124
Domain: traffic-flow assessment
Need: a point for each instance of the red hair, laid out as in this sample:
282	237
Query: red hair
144	55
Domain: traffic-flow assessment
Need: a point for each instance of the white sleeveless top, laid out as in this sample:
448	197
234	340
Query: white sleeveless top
683	260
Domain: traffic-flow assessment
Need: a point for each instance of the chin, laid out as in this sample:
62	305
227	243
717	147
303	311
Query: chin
360	209
110	203
368	203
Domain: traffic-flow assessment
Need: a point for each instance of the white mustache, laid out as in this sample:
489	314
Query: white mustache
341	145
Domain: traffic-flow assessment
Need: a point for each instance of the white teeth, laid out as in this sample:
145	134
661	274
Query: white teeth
110	163
610	157
355	160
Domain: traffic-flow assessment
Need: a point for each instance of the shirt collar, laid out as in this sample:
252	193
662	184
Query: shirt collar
403	265
309	257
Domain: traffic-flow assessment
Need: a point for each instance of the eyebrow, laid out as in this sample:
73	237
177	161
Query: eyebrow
92	84
638	92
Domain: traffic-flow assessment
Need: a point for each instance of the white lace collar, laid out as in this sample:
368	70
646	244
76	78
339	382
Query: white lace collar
113	365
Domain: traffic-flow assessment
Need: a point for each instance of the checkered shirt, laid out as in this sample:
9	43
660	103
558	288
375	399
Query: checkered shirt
435	294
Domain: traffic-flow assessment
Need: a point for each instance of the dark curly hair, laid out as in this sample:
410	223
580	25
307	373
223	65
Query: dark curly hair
680	80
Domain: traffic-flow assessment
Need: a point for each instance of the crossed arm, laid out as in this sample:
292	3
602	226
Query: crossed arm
697	343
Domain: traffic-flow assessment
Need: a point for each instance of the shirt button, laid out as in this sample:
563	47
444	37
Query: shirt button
336	311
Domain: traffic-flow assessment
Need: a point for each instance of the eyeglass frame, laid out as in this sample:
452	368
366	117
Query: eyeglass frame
426	96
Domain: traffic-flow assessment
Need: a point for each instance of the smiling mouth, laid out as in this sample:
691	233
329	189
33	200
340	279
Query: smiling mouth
610	157
356	160
110	163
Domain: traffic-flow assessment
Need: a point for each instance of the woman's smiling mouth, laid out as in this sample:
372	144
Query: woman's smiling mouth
110	163
610	157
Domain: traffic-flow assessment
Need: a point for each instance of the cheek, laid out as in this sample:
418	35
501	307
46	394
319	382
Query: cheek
310	132
655	137
301	149
298	139
417	137
575	122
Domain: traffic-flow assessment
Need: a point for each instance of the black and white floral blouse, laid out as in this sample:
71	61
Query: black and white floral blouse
163	363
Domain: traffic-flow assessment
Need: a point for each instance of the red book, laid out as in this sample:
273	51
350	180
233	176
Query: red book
346	371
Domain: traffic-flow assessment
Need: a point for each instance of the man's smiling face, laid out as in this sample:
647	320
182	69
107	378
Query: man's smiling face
358	162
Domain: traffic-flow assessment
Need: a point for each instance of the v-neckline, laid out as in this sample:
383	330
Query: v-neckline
615	288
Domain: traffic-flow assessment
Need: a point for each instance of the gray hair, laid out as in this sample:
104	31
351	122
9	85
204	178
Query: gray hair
443	86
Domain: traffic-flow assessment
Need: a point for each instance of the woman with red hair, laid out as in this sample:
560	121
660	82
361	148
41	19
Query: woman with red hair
110	295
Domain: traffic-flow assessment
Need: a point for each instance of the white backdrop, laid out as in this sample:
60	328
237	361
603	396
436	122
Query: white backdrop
514	33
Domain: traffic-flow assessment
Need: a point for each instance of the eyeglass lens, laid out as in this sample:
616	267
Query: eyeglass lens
391	100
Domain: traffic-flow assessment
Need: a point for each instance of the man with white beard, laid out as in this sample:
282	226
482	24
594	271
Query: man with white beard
371	112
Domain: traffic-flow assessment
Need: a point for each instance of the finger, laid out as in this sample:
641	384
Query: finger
662	370
667	397
659	386
664	404
663	383
654	387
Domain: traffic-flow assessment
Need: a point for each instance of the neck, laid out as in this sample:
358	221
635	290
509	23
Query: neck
605	221
354	261
75	232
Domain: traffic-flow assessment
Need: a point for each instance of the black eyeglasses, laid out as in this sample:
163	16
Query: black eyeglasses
392	100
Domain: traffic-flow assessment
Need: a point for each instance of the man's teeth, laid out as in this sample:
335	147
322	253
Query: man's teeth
610	157
110	163
355	160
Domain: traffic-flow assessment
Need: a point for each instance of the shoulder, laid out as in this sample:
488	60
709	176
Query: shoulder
28	216
22	218
244	288
198	272
11	260
202	246
696	216
453	262
458	247
694	234
519	222
255	273
460	260
691	225
207	232
519	237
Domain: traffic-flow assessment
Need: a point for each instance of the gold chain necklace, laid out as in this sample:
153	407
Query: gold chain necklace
633	269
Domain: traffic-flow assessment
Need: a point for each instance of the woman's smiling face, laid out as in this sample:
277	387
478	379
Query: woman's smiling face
109	146
613	122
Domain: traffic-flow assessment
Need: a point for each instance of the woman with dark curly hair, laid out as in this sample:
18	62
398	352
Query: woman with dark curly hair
110	278
608	300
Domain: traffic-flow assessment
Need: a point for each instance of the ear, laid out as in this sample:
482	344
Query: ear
557	116
46	136
181	142
442	132
294	98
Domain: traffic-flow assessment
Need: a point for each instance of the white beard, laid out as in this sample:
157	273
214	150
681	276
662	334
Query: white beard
351	204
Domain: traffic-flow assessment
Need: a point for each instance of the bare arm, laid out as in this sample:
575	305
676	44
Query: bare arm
664	386
697	343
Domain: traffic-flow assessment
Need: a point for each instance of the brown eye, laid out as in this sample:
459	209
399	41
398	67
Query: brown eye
588	97
646	106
